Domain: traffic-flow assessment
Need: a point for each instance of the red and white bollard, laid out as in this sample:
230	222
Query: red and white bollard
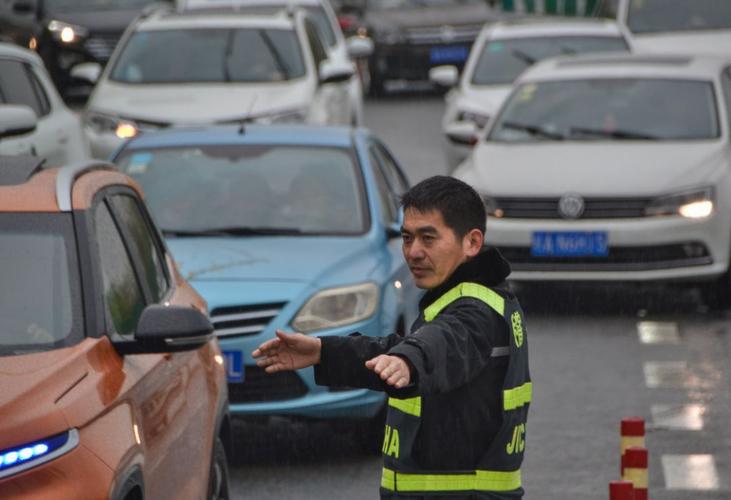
633	434
621	490
634	469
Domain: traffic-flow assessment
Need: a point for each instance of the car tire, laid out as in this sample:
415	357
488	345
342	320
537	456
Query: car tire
717	294
218	487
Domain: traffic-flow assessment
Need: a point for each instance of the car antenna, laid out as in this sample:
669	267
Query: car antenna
247	117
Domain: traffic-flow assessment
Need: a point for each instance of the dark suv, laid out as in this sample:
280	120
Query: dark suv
68	32
112	383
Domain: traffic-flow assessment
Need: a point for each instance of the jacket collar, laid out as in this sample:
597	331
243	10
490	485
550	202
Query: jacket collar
487	268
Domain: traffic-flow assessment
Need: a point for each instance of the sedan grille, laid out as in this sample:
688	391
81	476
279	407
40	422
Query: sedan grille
443	34
259	386
101	45
239	321
594	208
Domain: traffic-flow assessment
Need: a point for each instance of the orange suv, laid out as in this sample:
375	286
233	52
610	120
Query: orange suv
111	382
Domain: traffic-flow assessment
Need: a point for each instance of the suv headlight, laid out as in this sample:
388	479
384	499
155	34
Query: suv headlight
337	307
107	124
695	204
478	119
23	457
65	32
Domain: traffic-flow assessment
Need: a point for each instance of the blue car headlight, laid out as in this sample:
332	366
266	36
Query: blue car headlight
29	455
335	307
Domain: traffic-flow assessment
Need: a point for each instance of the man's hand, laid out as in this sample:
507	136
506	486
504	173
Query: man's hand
288	351
392	369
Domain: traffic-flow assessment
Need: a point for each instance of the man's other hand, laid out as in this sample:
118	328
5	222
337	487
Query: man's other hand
288	351
392	369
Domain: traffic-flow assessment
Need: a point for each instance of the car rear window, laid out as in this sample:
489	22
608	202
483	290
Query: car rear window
210	55
502	61
610	109
231	189
40	299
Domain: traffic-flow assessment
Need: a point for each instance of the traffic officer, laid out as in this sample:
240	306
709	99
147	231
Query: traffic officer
458	383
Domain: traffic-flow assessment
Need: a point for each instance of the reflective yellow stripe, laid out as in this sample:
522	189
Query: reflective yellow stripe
411	406
517	397
480	480
473	290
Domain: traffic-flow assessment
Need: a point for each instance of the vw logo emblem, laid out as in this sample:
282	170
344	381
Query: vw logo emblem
571	206
448	33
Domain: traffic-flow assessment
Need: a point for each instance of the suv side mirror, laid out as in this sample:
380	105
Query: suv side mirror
16	120
335	72
89	71
446	76
172	328
359	47
465	133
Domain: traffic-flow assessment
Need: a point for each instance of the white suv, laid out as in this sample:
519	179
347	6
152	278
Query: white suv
500	54
322	13
613	168
174	69
24	81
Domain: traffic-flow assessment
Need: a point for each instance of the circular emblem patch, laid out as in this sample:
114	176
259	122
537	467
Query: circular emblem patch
517	328
571	206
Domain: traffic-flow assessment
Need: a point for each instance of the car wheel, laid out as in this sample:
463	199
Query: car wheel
218	477
717	294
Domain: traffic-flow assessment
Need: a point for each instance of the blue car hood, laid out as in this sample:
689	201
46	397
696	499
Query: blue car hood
270	259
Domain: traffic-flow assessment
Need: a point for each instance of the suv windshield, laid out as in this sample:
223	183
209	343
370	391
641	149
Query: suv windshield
653	16
609	109
401	4
210	55
239	190
40	299
92	5
501	61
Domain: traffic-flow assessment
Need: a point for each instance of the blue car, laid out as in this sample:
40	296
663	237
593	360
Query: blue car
282	227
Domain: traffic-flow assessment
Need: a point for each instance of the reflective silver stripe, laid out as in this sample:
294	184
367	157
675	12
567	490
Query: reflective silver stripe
68	174
71	443
500	351
267	313
185	341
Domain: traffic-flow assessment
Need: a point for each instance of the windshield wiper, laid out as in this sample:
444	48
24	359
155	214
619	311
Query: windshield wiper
281	65
232	231
613	134
519	54
534	130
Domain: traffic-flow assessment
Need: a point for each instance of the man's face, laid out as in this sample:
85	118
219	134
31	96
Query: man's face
431	249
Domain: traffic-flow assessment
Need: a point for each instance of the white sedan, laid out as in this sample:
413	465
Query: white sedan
500	54
613	168
58	136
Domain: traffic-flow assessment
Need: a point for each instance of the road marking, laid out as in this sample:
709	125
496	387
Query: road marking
683	418
658	332
690	472
673	374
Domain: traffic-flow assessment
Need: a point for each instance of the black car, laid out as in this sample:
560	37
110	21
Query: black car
412	36
68	32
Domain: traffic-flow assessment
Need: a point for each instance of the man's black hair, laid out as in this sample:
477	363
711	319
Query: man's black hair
461	207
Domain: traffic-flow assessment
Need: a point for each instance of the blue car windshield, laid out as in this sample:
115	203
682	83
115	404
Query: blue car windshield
40	298
246	55
244	189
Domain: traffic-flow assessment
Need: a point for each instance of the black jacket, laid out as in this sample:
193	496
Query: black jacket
460	384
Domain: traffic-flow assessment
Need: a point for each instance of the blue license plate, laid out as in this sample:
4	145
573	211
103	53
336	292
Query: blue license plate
445	55
570	244
233	361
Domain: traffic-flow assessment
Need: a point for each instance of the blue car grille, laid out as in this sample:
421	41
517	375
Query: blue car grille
259	386
239	321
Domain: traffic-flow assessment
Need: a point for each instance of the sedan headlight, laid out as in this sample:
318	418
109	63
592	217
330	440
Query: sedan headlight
107	124
298	115
696	204
337	307
478	119
65	32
